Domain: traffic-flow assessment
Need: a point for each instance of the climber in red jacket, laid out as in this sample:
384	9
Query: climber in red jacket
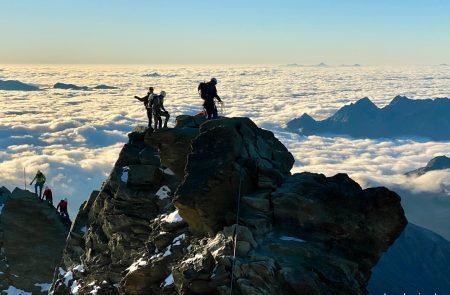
62	206
48	195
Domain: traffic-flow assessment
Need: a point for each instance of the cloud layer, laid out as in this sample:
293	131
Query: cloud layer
75	136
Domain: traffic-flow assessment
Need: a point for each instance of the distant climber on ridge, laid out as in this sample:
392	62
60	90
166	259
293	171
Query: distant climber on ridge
159	110
40	180
62	206
208	92
48	196
147	99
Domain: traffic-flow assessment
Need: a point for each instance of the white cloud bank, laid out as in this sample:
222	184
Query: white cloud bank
74	137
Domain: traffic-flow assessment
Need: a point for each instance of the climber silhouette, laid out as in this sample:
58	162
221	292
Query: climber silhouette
40	180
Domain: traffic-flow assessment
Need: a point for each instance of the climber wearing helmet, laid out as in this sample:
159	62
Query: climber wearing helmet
159	110
209	103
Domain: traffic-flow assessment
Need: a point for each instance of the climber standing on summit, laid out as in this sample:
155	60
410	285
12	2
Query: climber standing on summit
208	92
147	100
40	180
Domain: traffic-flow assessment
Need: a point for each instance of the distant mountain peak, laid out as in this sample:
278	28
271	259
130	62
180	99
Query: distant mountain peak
427	118
437	163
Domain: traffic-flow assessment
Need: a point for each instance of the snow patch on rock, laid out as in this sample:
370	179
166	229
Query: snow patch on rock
140	262
173	217
163	192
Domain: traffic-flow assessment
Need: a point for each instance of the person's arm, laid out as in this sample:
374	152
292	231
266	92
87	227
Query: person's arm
162	105
33	180
59	205
43	176
216	95
142	98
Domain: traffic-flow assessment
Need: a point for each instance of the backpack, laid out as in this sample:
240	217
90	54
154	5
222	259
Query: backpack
156	102
205	90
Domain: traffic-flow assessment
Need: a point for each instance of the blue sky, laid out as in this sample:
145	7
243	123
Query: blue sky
189	32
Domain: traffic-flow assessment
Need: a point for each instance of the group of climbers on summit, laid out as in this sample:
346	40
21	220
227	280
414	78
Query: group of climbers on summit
154	103
48	194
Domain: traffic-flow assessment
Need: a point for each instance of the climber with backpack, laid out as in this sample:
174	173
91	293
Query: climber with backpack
147	99
40	180
159	110
208	92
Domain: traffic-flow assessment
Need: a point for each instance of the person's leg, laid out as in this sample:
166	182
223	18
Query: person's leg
40	190
149	116
157	121
166	116
214	112
35	189
209	110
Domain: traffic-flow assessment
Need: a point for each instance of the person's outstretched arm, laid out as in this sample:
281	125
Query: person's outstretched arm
33	180
141	98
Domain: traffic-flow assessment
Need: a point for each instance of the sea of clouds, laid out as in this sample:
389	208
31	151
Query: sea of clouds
74	137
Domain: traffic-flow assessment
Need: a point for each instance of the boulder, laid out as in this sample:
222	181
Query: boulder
144	176
229	157
174	146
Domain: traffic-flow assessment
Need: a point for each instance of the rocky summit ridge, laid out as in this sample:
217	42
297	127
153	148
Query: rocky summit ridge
32	238
212	208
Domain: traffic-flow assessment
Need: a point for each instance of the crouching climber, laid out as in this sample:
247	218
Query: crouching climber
48	196
62	206
159	110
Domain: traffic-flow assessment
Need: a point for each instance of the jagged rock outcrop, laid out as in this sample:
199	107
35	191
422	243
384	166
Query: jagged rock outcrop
418	262
164	222
228	158
429	118
32	238
437	163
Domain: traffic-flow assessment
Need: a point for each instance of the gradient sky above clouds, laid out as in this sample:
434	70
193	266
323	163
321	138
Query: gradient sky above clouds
265	32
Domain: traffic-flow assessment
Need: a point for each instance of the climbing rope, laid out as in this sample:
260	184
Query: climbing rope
222	108
235	231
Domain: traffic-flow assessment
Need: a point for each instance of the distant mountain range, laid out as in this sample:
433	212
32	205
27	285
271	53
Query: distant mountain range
60	85
429	118
417	263
320	65
14	85
438	163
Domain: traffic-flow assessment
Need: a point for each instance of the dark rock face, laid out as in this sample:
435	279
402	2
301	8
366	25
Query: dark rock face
418	262
14	85
229	155
69	86
32	238
297	234
437	163
174	145
428	118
